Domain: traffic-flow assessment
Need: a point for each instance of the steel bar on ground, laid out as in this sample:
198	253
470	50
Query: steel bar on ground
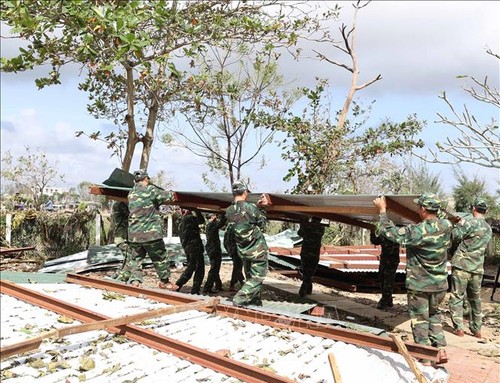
279	321
149	338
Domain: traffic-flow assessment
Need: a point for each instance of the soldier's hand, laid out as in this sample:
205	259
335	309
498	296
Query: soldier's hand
264	200
380	203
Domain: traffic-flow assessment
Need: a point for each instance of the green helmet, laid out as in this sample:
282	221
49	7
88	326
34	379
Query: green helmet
140	174
480	203
429	201
239	187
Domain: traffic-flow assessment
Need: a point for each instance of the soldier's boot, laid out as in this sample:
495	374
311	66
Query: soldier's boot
305	288
385	302
256	301
196	289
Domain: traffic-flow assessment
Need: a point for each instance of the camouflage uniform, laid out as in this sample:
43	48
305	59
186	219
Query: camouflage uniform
231	248
426	271
120	218
189	233
247	220
388	265
473	236
312	234
145	230
214	252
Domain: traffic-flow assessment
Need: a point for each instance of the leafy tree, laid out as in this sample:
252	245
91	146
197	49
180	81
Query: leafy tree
411	179
329	152
468	189
477	143
30	173
131	53
317	168
232	116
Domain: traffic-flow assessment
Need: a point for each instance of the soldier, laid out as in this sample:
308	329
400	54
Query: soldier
237	272
472	236
189	233
120	215
145	230
312	233
247	221
388	264
214	252
426	271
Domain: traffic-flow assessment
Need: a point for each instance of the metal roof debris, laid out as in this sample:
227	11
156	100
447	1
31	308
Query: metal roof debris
276	352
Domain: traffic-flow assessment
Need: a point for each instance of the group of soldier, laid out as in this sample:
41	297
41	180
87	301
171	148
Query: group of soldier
428	244
139	232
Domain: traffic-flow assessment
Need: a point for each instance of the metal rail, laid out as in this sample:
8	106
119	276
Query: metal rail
162	343
278	321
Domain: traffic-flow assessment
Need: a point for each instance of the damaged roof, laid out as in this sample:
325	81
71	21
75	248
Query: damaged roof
279	353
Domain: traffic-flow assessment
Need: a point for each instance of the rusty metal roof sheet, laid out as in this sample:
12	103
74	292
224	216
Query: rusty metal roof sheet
355	210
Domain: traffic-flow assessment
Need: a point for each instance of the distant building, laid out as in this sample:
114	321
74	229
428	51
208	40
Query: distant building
50	191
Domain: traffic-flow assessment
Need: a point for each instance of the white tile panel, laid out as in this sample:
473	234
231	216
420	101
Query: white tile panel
301	357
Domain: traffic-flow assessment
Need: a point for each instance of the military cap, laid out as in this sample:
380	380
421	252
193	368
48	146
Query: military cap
140	174
239	187
429	201
480	203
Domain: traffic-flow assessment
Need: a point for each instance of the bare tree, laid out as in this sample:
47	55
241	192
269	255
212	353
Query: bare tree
477	144
348	47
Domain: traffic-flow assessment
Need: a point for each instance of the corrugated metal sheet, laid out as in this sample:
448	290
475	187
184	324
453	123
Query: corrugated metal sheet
298	356
350	209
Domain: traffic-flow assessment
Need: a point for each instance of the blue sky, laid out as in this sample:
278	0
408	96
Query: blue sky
418	47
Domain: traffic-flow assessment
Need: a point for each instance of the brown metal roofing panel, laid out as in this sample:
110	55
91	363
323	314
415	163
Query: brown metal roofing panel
355	210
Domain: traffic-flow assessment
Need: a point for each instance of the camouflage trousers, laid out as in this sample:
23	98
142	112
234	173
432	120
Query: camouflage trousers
466	286
213	277
387	274
158	254
425	315
237	272
308	264
195	264
256	271
124	272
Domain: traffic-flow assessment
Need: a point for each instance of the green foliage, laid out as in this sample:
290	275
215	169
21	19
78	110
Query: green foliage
53	234
470	188
410	179
308	145
130	53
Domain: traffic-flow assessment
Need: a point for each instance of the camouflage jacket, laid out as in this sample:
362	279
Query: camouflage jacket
145	223
212	233
120	219
312	234
426	251
189	231
389	249
473	237
247	221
